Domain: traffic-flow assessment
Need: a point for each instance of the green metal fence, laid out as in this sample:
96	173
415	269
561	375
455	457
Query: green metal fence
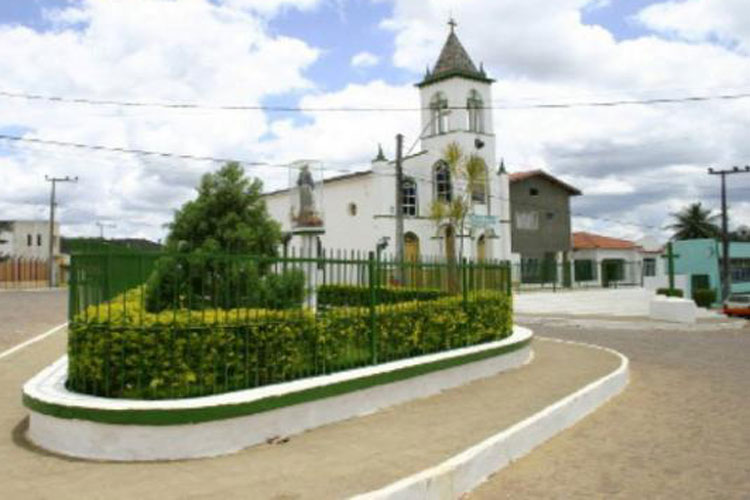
155	325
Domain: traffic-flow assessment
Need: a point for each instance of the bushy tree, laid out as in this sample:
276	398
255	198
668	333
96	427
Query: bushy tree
218	250
693	222
229	215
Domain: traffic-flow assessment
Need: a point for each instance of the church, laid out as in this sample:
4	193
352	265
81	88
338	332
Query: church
358	210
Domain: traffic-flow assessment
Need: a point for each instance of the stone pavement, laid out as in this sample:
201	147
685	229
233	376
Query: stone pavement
335	461
680	430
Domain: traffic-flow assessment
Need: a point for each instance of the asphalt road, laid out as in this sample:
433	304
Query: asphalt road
680	430
25	314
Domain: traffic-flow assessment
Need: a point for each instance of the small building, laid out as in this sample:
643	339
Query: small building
604	261
700	261
541	224
29	239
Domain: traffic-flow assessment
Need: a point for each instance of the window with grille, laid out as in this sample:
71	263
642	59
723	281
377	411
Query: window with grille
649	267
479	189
739	270
475	107
443	189
438	114
409	197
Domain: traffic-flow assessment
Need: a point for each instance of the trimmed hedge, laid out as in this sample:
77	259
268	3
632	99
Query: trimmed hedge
352	295
670	293
120	350
704	297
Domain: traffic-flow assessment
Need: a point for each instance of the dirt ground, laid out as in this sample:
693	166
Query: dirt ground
25	314
680	430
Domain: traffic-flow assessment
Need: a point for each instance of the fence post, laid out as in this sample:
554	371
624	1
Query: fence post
72	289
509	279
372	277
464	283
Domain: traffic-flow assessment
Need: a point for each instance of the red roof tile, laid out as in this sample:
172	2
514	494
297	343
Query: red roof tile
589	241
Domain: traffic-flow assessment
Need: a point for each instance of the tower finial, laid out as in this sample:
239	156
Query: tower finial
452	23
381	156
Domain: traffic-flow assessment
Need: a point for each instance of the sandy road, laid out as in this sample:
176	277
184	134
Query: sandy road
680	430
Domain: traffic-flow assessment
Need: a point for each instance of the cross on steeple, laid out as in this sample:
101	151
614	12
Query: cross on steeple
452	23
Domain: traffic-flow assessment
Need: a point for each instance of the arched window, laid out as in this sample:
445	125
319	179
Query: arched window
438	115
409	197
479	188
443	187
475	108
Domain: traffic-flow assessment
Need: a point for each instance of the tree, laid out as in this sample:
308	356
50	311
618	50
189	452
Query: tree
694	222
218	249
469	173
228	216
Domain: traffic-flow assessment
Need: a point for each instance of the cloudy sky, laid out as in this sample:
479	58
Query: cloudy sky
635	164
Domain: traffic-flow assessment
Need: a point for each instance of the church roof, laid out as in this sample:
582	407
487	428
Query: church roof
454	61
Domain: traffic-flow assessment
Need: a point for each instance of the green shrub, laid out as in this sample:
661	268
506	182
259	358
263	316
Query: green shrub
704	297
199	281
121	350
352	295
670	293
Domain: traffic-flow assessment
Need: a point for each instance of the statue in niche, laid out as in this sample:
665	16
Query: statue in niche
307	216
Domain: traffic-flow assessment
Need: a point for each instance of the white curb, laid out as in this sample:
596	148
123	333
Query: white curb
467	470
105	441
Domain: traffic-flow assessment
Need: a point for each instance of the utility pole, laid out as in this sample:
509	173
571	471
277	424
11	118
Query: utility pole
101	226
52	203
726	277
400	205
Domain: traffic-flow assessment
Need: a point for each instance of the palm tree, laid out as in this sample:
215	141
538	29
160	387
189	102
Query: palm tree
693	222
469	171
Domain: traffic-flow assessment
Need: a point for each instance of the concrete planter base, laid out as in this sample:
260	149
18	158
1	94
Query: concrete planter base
134	430
673	309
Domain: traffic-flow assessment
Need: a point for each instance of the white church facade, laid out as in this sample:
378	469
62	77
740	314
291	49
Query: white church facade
359	209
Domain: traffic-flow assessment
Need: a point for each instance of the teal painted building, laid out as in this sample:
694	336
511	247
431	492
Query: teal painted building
699	260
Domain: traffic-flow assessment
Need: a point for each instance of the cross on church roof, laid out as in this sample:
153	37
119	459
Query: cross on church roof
452	23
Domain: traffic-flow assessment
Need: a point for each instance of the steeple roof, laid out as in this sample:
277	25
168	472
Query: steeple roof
454	61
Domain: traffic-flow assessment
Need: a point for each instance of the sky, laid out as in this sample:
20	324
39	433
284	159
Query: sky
635	164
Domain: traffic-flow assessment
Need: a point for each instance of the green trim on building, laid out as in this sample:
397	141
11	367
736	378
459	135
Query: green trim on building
210	413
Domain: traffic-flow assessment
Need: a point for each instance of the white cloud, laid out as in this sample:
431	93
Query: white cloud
365	60
700	20
634	162
206	53
270	7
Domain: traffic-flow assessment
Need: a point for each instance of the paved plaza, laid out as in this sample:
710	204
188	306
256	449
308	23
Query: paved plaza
678	431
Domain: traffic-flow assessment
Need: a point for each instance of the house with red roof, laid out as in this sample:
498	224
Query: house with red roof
600	260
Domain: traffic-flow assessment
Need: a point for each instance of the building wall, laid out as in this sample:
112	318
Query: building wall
632	259
30	239
552	210
702	256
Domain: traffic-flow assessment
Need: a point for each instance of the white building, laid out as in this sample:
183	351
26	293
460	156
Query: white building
29	239
604	261
359	208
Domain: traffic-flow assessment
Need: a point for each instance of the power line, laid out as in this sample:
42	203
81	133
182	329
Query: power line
87	147
364	109
142	152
